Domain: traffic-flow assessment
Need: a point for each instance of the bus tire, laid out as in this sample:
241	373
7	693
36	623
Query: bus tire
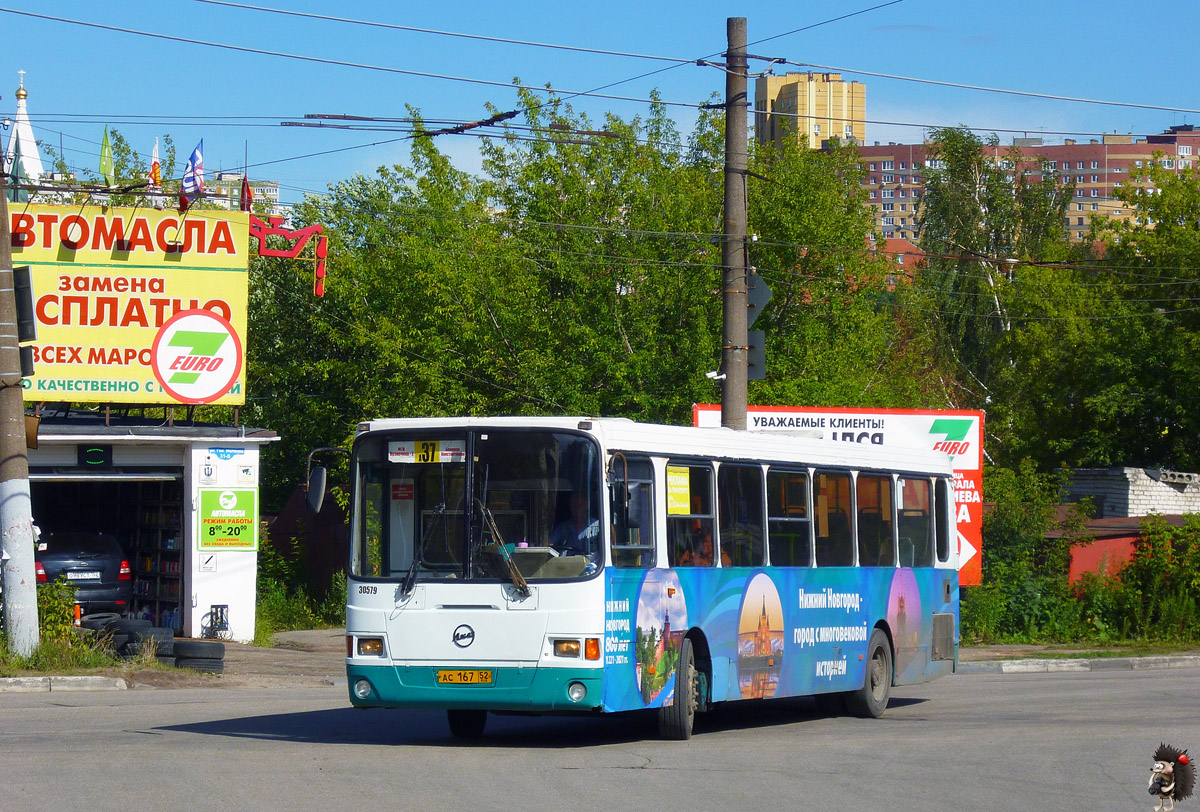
871	700
467	724
675	721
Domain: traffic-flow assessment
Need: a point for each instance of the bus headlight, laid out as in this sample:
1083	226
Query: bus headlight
370	647
576	691
362	689
566	648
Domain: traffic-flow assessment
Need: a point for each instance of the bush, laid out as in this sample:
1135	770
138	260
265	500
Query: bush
1162	581
284	602
61	647
56	611
982	613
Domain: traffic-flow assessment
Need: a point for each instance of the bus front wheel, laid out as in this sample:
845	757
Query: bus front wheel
466	724
871	699
675	721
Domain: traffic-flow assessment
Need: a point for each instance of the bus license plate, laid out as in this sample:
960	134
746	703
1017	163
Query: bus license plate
470	677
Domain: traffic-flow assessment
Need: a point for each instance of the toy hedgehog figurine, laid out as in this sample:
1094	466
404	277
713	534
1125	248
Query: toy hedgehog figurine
1172	777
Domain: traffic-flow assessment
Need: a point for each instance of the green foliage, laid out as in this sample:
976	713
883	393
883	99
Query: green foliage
130	168
1152	269
1025	593
983	612
1163	580
283	599
62	648
579	275
56	611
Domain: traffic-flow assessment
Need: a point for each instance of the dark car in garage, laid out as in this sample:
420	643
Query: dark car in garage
93	562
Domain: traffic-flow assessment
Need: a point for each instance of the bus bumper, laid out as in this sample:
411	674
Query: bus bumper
516	689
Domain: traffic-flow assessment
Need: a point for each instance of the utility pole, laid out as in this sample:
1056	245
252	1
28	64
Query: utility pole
735	349
18	578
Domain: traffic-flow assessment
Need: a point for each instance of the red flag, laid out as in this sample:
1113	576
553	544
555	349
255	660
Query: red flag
247	199
183	203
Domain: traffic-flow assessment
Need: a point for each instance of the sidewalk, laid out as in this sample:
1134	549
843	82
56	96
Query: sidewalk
1034	659
316	658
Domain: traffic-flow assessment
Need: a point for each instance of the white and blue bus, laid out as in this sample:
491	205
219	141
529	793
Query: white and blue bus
564	564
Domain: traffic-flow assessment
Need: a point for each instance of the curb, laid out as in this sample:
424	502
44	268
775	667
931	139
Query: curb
1076	666
42	685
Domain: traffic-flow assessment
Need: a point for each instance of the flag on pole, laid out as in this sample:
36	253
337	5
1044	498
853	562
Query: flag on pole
155	167
16	195
106	161
183	203
193	173
247	198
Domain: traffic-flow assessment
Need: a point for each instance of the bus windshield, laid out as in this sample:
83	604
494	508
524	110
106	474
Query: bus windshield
449	504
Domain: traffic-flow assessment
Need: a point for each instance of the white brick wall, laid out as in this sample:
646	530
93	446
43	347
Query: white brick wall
1132	492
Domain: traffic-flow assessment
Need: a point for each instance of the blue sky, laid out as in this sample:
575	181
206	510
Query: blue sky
1101	50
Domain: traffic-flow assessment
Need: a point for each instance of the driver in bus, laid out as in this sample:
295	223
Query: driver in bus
579	534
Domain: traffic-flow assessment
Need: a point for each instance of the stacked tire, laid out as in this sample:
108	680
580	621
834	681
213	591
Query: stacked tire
130	637
200	655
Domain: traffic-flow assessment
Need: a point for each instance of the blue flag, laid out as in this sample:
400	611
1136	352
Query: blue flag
193	173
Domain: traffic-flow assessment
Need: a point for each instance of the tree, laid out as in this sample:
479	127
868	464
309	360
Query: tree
1152	266
979	218
130	168
832	334
579	275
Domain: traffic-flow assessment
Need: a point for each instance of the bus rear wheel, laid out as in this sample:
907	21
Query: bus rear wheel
675	721
871	700
467	724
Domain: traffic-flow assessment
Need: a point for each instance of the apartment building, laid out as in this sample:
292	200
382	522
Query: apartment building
225	190
895	174
818	106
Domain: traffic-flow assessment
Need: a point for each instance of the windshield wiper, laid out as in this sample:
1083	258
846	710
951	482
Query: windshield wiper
498	547
410	577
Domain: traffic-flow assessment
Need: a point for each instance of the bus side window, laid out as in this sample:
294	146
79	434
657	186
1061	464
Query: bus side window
633	524
740	497
788	522
944	505
913	524
689	516
835	538
875	548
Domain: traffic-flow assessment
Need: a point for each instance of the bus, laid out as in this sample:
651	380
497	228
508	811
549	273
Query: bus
600	565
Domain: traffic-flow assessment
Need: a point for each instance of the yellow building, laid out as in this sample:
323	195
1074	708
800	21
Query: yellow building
819	106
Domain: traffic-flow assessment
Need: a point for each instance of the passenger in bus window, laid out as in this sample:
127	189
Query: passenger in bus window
700	553
579	534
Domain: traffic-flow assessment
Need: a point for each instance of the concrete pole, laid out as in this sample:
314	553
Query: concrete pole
735	353
18	578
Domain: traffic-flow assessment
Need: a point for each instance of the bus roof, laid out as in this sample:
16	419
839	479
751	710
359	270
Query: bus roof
622	434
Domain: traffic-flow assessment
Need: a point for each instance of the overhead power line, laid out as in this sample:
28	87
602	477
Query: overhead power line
414	29
824	22
340	63
1026	93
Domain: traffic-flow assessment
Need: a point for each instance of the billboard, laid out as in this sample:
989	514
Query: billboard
108	284
958	433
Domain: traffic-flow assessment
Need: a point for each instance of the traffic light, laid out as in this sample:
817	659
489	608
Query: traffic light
756	356
757	296
26	321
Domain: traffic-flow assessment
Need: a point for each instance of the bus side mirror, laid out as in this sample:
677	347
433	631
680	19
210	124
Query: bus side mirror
316	489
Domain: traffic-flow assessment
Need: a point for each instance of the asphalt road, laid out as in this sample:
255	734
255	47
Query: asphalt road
967	742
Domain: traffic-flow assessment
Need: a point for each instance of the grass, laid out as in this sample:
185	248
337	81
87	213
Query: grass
81	653
1063	651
